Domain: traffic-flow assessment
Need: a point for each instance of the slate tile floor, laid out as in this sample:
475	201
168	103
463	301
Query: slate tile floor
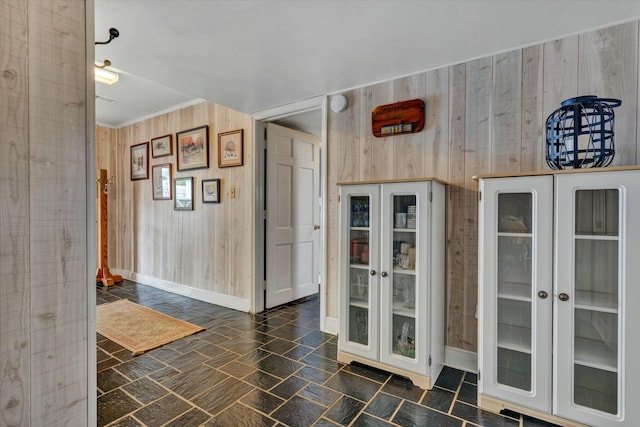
272	369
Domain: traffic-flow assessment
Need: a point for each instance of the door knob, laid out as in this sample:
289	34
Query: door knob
543	294
316	227
563	297
372	272
383	274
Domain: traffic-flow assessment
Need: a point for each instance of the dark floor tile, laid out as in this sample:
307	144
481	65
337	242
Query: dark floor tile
368	372
127	422
239	415
139	367
108	363
213	338
110	379
222	395
366	420
162	411
101	355
345	410
468	394
123	355
298	412
191	383
164	374
289	387
221	359
383	406
145	390
481	417
115	405
262	401
236	369
259	336
471	378
279	346
322	363
313	338
289	332
323	422
262	380
163	353
449	378
353	385
187	361
298	352
194	417
240	345
322	395
403	388
411	414
278	366
438	398
328	350
253	357
110	346
313	374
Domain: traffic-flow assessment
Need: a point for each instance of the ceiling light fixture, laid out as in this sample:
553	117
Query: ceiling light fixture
106	76
101	74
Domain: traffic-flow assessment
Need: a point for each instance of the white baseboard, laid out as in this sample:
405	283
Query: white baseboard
330	325
199	294
461	359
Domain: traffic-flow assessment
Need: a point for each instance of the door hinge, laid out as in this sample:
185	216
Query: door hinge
338	199
264	214
264	285
479	196
478	374
429	360
430	196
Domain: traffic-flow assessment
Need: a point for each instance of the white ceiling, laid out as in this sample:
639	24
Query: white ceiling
252	55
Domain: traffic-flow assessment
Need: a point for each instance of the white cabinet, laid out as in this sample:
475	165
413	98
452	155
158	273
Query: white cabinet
559	286
392	277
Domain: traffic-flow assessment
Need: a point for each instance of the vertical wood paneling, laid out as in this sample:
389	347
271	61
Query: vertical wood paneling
506	115
344	128
436	150
57	212
455	207
532	154
381	148
609	69
560	77
408	150
15	320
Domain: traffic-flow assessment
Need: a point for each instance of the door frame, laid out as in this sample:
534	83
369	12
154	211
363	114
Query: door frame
317	103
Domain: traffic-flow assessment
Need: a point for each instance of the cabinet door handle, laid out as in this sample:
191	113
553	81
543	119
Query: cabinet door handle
383	274
563	297
372	272
316	227
543	294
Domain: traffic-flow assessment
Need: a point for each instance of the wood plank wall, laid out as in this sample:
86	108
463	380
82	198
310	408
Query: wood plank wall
43	265
210	248
483	116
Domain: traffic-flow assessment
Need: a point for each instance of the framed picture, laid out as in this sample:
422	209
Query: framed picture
161	177
140	161
210	191
183	190
230	151
193	148
161	146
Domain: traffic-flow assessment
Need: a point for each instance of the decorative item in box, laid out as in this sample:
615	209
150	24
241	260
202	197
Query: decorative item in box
411	216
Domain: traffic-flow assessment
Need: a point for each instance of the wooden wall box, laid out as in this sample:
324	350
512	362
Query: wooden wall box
398	118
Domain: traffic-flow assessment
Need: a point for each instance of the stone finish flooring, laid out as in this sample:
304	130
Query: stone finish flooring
272	369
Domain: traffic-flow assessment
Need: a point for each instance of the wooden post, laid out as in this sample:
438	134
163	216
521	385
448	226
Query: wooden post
103	275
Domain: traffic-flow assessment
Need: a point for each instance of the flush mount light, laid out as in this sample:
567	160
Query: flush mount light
106	76
339	103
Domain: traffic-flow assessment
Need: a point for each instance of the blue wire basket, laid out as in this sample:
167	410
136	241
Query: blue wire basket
580	133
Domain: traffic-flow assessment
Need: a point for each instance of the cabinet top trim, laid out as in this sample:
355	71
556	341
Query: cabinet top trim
386	181
556	172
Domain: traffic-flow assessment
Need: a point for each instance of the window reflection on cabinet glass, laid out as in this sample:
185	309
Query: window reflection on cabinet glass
360	211
514	212
404	333
359	325
597	212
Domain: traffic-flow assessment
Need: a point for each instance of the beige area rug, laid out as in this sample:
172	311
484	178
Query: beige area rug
139	328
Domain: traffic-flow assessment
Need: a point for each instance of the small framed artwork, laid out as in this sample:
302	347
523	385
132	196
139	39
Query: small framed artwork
210	191
183	190
230	150
140	161
161	146
193	148
161	177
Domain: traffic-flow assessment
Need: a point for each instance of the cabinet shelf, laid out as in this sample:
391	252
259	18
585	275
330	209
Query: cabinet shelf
513	234
360	303
595	354
516	338
514	291
597	301
359	266
359	228
404	230
408	272
400	310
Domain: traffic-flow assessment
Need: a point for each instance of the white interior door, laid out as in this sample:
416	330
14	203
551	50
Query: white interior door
293	215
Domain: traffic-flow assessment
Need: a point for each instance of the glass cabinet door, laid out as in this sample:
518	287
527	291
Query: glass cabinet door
595	309
359	250
403	277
